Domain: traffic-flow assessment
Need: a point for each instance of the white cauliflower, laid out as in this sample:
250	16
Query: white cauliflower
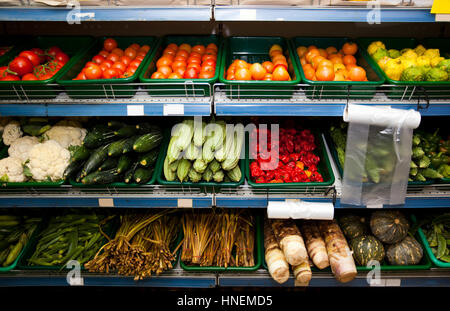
11	132
21	147
11	170
67	133
48	160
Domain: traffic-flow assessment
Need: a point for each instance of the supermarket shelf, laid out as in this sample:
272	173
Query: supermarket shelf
122	13
296	103
324	14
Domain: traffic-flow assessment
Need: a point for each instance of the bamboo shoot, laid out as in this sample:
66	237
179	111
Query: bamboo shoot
290	240
315	244
276	262
339	254
302	274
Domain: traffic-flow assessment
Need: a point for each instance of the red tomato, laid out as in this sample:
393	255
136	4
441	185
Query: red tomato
157	75
143	54
104	53
135	63
125	60
109	44
139	58
9	77
39	52
180	71
93	72
21	66
3	71
81	76
130	71
52	51
121	67
110	73
179	64
196	60
98	59
208	68
195	66
209	57
62	57
104	66
130	52
113	57
209	63
191	73
206	75
32	57
195	55
29	77
88	64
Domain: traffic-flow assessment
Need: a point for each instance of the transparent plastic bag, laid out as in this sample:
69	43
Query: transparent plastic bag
377	160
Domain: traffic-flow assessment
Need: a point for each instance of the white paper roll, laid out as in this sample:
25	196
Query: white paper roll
300	210
382	116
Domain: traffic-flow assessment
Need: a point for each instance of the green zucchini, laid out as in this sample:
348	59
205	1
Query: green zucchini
97	139
145	127
148	141
115	149
128	146
115	125
104	177
148	159
35	129
110	163
79	176
80	153
128	176
124	163
72	169
95	160
142	175
126	131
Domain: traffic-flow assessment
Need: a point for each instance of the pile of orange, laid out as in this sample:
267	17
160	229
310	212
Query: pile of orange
276	69
330	64
187	62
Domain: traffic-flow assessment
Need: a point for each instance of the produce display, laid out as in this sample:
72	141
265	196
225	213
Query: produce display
187	62
34	64
320	64
295	162
413	65
142	246
15	232
219	239
5	49
287	244
204	152
39	148
116	152
437	231
68	237
382	237
114	62
274	70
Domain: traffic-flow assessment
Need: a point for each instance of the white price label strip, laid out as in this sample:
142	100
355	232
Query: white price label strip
385	282
106	202
185	203
173	109
374	205
292	200
135	110
247	15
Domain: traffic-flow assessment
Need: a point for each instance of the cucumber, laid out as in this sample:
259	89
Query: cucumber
97	139
128	146
79	176
115	148
148	159
72	169
104	177
35	129
110	163
95	160
124	163
145	127
142	175
128	177
126	131
80	153
115	125
147	142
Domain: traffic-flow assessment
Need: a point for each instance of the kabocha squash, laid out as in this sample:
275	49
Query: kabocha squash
389	226
353	226
366	248
406	252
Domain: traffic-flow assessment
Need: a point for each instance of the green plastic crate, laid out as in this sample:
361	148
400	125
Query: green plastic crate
104	88
258	255
338	89
15	43
324	168
180	87
24	90
409	89
4	154
162	180
256	49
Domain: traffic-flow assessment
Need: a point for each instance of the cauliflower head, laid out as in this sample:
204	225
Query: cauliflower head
432	53
21	147
48	160
374	46
11	132
67	133
11	170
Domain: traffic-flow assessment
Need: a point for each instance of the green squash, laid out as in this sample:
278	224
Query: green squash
406	252
389	226
353	226
366	248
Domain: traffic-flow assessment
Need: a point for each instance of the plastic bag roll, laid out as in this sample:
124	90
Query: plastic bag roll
300	210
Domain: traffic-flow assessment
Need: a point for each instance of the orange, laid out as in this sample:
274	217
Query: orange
230	77
325	73
241	64
268	66
169	51
301	51
278	57
338	67
172	46
312	47
349	59
275	53
303	61
157	75
182	53
335	59
165	70
186	47
350	66
281	63
199	49
311	54
280	74
357	73
268	77
310	73
275	47
339	76
163	61
326	62
258	71
331	50
323	52
317	60
243	74
349	48
231	69
307	67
